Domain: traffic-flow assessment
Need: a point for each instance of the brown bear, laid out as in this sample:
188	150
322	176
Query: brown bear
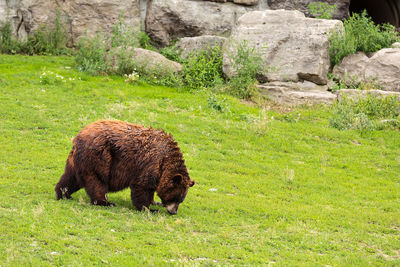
108	156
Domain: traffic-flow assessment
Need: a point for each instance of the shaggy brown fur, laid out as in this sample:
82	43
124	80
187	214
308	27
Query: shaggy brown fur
108	156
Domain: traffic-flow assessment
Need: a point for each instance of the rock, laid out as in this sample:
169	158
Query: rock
147	61
293	94
293	47
169	20
302	5
90	16
381	68
78	16
246	2
396	45
355	94
188	45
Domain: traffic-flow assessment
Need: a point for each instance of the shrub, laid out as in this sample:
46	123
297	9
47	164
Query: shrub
360	34
108	53
369	113
322	10
91	55
203	69
246	63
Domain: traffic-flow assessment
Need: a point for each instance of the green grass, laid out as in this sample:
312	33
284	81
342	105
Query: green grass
271	188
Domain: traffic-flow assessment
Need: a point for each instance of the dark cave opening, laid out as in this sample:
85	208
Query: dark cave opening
381	11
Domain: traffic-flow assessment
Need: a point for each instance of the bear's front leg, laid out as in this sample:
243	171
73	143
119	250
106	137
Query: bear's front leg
141	198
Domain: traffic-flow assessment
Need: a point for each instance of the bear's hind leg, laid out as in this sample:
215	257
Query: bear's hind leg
67	184
97	191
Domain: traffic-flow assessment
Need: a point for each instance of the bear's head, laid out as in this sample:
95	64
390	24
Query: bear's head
173	191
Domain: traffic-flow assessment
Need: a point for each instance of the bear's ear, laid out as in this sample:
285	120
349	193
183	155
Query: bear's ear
192	182
177	179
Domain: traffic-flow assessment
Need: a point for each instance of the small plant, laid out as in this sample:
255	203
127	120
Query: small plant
322	10
131	78
52	78
360	34
368	113
217	103
247	63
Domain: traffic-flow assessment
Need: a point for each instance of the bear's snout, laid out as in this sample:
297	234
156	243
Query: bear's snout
172	208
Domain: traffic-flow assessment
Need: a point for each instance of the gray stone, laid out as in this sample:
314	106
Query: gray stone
293	47
382	68
189	45
78	16
293	94
302	5
169	20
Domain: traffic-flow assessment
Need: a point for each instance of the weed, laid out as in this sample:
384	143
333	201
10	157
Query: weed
322	10
360	34
247	63
217	103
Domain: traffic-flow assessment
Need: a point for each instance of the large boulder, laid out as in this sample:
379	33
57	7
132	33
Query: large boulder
302	5
189	45
79	17
169	20
382	68
145	60
293	47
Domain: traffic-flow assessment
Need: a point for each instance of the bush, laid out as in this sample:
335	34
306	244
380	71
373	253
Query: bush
360	34
109	53
369	113
246	63
322	10
203	69
91	55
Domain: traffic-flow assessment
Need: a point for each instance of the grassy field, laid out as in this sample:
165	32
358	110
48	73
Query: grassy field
272	188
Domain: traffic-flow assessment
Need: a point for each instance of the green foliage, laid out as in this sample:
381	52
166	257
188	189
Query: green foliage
144	41
91	55
368	113
246	63
322	10
360	34
203	69
7	43
172	53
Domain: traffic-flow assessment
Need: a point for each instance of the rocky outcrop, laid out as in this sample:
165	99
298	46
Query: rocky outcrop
189	45
168	20
302	5
293	94
382	68
79	17
294	48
